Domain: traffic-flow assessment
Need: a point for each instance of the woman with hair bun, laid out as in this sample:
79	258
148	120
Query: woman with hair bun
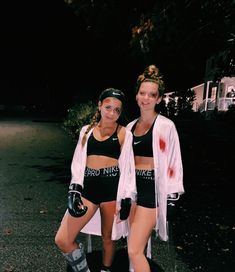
102	186
159	171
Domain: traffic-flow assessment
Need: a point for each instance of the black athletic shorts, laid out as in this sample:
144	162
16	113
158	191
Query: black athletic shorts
101	185
145	184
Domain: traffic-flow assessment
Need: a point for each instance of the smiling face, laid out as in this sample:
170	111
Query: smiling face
148	95
110	109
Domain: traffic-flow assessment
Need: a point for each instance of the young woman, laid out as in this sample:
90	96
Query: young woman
158	167
103	180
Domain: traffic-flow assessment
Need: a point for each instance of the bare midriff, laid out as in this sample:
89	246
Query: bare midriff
145	163
98	162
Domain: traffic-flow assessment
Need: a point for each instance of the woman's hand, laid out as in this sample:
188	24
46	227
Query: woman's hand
125	208
75	204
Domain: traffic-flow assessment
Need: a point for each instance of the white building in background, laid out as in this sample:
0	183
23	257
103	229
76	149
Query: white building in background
211	95
167	97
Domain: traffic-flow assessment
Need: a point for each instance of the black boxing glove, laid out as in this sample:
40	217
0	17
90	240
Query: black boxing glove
75	204
125	208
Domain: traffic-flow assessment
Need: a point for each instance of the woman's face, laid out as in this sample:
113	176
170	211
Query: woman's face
110	109
148	96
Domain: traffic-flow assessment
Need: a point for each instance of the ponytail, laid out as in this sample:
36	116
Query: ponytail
95	120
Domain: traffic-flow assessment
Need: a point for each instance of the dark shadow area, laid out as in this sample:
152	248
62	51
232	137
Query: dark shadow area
60	172
203	223
35	113
120	263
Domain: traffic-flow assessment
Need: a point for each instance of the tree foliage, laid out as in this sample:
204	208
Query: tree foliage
177	35
185	102
79	115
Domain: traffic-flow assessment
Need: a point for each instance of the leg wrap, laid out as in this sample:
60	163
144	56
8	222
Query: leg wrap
77	260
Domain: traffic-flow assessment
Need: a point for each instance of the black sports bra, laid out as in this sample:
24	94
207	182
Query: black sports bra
142	145
109	147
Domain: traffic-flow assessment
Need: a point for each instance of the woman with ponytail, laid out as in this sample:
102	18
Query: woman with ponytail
159	172
102	185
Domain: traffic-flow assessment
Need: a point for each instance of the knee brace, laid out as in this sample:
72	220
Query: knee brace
77	259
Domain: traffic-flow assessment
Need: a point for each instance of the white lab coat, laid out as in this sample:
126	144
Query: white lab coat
126	187
168	168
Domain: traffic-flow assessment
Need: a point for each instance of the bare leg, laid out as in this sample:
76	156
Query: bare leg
107	211
141	228
67	234
131	219
71	226
132	213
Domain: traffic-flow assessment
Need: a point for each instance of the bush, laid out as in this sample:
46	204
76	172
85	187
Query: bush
78	116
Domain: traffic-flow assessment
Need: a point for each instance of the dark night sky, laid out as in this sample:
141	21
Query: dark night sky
46	54
40	50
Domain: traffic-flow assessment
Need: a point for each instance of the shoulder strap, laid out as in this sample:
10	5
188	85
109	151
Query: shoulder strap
117	128
133	127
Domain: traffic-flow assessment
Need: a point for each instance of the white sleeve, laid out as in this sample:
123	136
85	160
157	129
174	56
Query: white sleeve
78	160
127	183
174	161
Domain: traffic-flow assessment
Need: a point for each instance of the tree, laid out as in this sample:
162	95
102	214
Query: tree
185	102
176	35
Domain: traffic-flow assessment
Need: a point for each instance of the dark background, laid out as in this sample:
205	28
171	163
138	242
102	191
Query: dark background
50	60
49	57
41	53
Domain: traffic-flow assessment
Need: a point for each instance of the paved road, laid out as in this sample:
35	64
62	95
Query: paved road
34	168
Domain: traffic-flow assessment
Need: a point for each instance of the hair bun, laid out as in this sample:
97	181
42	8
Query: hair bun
151	71
151	74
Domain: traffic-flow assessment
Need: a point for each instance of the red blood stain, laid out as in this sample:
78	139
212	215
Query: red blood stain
171	172
162	145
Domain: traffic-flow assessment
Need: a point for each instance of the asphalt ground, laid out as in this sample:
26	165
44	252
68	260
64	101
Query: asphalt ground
35	157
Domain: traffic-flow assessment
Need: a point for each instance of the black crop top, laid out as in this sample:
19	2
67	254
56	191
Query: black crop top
142	145
109	147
